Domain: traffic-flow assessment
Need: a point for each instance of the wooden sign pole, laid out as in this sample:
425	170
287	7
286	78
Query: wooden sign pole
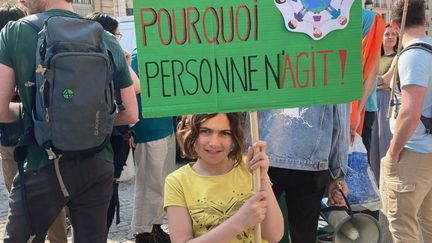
256	173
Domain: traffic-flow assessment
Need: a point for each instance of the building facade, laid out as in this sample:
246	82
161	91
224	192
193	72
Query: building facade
384	8
120	8
116	8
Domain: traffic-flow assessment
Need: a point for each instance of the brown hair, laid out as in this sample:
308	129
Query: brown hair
8	13
189	127
415	12
396	44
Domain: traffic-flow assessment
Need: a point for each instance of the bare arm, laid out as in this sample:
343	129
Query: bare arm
250	214
135	80
408	118
134	76
9	111
130	114
180	226
368	84
273	224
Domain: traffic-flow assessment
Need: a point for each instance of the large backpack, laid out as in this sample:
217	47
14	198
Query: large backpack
76	84
75	108
427	121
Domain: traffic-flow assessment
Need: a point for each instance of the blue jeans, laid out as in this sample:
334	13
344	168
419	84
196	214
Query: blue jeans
89	183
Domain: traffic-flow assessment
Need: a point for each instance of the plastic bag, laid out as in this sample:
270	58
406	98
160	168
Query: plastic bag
364	192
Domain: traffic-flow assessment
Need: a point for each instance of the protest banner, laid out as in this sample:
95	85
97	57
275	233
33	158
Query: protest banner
224	56
246	55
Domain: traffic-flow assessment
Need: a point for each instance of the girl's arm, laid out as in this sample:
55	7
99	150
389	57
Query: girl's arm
250	214
273	224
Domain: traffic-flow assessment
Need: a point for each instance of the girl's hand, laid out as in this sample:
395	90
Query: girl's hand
253	210
259	160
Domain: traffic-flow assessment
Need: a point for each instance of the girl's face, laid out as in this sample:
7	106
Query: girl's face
214	141
390	37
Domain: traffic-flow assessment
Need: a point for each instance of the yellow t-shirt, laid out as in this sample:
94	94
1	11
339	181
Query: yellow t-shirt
210	200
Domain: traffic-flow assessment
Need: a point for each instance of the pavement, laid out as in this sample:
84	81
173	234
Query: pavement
118	233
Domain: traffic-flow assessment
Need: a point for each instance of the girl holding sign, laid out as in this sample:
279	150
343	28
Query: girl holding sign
211	200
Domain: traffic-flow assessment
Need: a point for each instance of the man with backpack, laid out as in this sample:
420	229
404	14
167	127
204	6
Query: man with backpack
9	135
406	170
68	109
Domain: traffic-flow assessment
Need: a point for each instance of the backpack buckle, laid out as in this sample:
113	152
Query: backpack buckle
51	154
40	69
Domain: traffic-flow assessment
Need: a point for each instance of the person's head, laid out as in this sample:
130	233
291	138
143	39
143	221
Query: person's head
38	6
415	13
217	136
342	20
292	24
8	13
390	39
34	6
109	23
317	33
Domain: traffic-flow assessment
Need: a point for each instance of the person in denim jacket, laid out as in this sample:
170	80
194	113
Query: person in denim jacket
308	151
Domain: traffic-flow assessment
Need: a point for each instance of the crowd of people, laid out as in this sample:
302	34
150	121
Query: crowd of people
211	199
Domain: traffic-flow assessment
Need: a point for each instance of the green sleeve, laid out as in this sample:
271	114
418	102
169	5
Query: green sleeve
119	59
5	47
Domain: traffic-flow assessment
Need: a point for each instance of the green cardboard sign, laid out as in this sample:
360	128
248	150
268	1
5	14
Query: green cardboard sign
200	56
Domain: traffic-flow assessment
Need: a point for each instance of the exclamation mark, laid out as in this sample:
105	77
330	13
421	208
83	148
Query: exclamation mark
342	56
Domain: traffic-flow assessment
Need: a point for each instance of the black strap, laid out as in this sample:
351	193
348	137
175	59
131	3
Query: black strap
20	154
350	212
427	122
332	208
346	208
36	22
117	83
116	202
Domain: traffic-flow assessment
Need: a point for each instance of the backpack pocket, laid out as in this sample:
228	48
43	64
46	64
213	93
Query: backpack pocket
81	107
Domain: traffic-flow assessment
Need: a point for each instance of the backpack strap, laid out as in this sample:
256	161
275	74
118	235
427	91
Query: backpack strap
421	45
20	153
117	82
427	122
36	21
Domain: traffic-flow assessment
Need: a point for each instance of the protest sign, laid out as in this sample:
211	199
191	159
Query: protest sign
200	56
